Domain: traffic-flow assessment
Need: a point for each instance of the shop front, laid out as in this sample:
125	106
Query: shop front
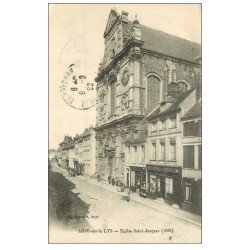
164	182
191	193
138	180
79	167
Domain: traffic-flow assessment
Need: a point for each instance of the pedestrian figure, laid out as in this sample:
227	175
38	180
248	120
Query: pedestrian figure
98	177
109	178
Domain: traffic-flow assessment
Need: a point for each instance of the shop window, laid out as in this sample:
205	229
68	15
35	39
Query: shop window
169	186
152	184
172	150
138	182
153	151
132	180
173	122
158	186
188	191
163	154
188	156
199	157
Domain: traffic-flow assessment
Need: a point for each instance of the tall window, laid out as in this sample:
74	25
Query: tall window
172	150
135	158
163	125
199	157
153	151
188	156
142	153
112	97
132	178
169	185
153	92
154	126
163	154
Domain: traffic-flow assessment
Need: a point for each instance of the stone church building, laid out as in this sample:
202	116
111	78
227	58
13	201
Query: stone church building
138	65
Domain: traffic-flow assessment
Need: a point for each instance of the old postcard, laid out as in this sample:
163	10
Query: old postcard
125	149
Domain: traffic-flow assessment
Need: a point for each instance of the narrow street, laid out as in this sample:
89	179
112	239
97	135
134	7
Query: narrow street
86	205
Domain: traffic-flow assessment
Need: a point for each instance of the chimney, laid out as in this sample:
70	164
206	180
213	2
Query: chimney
136	29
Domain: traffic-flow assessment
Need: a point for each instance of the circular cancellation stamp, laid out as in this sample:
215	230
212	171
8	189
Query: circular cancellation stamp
76	89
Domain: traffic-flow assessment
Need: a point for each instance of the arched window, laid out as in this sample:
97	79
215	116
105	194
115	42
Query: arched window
153	92
182	86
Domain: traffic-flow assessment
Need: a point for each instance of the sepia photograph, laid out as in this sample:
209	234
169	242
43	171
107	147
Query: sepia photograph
125	123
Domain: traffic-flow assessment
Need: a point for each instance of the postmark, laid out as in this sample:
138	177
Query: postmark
76	89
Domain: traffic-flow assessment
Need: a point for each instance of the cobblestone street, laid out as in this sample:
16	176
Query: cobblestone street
93	207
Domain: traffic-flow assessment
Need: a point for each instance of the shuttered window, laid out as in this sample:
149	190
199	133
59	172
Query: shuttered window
188	156
192	128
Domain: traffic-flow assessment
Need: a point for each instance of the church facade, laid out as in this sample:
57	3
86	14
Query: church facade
138	65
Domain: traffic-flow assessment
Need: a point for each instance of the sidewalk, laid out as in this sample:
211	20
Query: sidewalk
177	213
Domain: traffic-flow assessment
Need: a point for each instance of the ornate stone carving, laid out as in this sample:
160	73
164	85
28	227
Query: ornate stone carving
102	95
125	77
112	76
125	101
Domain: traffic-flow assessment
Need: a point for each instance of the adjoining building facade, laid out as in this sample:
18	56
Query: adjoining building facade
63	152
164	146
85	152
135	159
133	77
68	155
192	159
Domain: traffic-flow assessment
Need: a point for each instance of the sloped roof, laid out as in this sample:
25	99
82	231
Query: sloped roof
193	112
140	130
174	104
69	145
165	43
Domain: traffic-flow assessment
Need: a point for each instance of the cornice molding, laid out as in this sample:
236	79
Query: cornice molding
118	57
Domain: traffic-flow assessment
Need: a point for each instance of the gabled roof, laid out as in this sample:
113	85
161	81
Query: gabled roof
174	103
193	112
113	17
139	134
165	43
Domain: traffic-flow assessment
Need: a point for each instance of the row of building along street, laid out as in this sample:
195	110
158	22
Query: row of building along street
147	134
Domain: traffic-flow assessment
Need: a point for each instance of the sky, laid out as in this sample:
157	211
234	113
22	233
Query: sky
76	36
